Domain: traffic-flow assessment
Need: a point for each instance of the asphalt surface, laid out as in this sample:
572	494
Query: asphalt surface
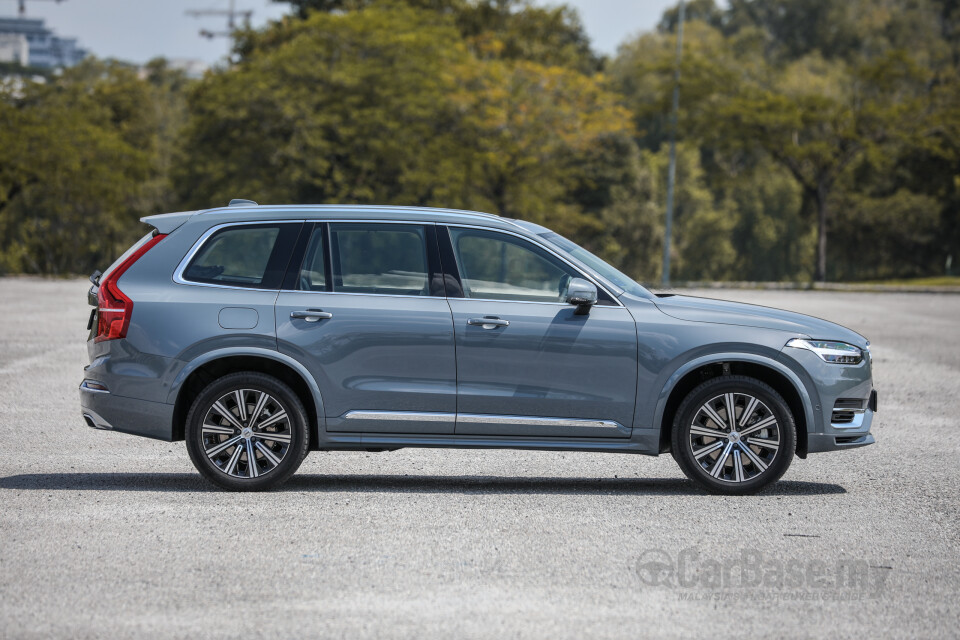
108	535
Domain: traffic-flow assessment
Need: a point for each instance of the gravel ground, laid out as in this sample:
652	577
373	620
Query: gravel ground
110	535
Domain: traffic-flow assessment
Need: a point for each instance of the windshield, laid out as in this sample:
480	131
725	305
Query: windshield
613	275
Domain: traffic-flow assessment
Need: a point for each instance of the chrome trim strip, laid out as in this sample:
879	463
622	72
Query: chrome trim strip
856	423
404	416
535	421
181	267
178	272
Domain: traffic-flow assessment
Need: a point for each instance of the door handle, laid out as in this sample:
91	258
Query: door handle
489	322
311	315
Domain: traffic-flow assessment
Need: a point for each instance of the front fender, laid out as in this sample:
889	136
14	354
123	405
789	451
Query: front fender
805	389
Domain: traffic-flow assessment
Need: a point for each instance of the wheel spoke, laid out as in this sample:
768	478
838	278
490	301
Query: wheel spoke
234	459
731	407
763	424
757	462
698	430
241	404
258	409
267	453
214	428
252	470
212	451
226	413
748	411
276	437
721	460
272	420
713	415
738	466
766	444
710	448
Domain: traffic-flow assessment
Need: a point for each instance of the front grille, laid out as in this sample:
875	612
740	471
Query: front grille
845	410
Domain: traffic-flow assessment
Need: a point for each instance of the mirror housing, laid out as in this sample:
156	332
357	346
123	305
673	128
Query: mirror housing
583	294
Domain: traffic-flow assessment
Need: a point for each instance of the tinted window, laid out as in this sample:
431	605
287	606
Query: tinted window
313	275
379	258
243	256
497	266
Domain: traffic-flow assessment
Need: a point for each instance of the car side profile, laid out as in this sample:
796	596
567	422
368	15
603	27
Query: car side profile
259	333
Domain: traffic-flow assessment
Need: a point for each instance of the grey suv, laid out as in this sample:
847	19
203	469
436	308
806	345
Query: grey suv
259	333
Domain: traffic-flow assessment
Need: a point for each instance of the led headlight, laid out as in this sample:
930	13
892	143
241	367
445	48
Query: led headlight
832	352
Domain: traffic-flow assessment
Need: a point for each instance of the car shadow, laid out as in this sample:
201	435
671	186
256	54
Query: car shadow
188	482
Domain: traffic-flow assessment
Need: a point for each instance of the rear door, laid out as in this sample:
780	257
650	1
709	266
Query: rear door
536	368
365	312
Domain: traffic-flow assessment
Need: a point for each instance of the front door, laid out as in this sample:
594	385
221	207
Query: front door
527	365
369	320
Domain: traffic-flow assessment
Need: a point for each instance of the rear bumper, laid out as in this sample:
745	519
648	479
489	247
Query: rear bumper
103	410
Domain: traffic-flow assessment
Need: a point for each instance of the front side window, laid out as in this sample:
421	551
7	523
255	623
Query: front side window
497	266
379	259
242	256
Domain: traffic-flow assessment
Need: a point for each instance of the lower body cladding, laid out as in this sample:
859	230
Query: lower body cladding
845	426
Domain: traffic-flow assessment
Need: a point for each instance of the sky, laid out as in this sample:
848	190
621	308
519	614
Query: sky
138	30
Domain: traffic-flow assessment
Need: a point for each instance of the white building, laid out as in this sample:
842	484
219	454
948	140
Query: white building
14	48
45	49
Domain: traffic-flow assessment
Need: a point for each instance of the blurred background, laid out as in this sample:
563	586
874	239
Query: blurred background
815	140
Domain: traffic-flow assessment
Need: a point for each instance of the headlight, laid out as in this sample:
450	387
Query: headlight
832	352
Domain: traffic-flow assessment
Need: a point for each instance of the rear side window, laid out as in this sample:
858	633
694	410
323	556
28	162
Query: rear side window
252	256
379	258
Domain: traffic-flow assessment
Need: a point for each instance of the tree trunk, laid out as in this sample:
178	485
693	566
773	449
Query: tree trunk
822	213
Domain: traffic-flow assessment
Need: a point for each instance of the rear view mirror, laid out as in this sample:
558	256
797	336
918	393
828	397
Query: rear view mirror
583	294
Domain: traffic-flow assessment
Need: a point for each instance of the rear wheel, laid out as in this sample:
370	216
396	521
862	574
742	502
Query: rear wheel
734	435
247	432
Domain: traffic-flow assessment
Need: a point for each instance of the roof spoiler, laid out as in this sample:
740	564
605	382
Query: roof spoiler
167	222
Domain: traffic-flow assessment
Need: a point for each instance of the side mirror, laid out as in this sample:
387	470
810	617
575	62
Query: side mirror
582	293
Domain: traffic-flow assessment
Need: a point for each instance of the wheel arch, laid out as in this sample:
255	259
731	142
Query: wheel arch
783	380
191	380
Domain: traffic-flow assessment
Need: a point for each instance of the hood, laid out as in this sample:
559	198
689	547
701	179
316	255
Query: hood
750	315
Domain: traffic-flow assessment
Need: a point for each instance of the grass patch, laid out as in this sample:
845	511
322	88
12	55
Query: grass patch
938	281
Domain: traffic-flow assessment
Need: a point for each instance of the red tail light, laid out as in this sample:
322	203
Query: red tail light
113	307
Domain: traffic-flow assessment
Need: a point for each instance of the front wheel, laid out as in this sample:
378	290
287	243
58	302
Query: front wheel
734	435
247	432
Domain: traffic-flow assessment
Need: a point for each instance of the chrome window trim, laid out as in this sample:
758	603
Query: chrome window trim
585	273
182	266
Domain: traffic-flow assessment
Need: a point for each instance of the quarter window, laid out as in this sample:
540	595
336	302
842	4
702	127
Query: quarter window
379	258
243	256
496	266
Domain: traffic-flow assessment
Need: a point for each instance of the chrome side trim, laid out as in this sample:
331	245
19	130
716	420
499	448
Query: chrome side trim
178	272
536	421
406	416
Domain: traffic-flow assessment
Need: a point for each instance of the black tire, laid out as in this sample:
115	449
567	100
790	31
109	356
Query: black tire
278	447
764	464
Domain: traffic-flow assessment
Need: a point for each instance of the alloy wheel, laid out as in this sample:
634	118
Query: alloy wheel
246	433
734	437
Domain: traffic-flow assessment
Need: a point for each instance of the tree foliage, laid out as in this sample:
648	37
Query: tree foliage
817	139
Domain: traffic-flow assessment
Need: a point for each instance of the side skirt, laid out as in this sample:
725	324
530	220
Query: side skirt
362	441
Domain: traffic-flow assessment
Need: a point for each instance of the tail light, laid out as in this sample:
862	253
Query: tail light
113	307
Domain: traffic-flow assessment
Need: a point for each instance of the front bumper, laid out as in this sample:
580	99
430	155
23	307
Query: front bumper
830	384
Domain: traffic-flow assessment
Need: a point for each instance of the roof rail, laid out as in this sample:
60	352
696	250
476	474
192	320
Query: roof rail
240	202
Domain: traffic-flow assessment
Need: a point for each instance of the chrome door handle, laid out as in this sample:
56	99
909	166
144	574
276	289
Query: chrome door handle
489	322
311	315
